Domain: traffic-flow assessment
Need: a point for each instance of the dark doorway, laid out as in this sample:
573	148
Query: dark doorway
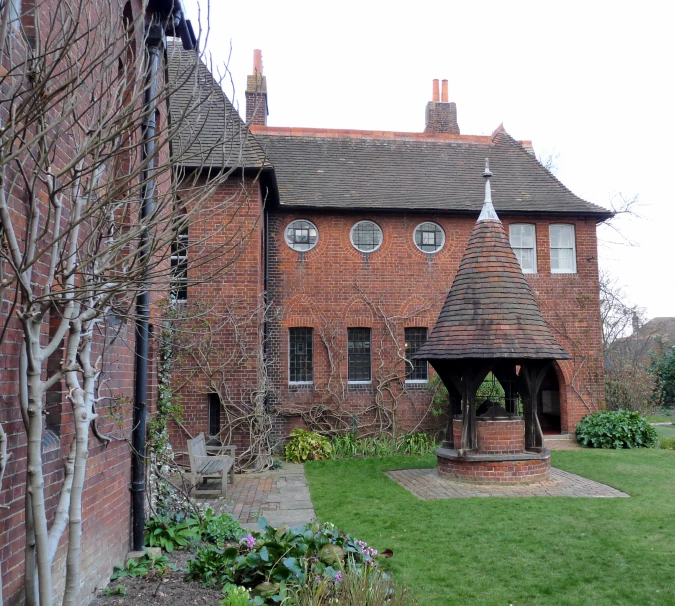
548	404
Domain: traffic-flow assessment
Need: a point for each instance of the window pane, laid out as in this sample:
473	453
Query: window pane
358	354
366	236
429	237
301	235
301	355
563	254
416	370
523	242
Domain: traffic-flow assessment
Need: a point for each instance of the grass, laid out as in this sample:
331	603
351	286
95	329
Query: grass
526	551
666	430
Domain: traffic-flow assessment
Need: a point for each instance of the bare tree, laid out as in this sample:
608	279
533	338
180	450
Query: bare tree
88	211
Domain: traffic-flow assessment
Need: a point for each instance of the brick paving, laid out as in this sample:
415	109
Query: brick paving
427	485
281	496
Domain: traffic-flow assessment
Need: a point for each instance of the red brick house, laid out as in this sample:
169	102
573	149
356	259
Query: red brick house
356	239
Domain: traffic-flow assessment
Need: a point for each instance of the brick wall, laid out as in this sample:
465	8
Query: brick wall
333	287
225	289
106	497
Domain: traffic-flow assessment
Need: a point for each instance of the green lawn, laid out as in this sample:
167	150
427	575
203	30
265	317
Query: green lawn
661	419
562	551
666	430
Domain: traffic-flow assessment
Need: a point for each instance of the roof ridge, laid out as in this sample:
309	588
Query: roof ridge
352	133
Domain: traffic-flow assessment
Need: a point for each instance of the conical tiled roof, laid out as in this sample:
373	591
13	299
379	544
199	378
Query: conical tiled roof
490	311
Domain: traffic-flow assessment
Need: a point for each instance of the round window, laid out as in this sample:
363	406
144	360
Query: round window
366	236
429	237
301	235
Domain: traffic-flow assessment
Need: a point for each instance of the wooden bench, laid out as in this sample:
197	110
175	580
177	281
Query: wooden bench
204	467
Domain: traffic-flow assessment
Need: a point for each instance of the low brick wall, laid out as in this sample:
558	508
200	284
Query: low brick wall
497	472
503	436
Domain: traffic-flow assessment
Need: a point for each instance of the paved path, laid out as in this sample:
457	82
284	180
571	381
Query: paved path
426	484
281	495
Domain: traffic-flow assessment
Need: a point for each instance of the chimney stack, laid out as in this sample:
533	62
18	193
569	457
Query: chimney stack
256	93
636	322
441	115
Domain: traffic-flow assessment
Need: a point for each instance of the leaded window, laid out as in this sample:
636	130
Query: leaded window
366	236
179	265
301	355
416	370
301	235
429	237
524	244
563	253
358	355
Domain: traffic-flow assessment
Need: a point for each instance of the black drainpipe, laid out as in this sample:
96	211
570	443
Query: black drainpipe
154	43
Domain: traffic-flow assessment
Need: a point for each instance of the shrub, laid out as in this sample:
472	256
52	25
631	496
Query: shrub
632	388
307	446
276	561
616	429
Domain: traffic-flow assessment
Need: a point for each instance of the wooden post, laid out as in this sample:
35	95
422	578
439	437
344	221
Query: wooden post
532	374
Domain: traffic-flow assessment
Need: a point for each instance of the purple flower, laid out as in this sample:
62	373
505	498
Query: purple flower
248	541
338	576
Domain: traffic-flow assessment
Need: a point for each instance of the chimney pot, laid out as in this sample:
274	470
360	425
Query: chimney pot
434	95
257	61
444	91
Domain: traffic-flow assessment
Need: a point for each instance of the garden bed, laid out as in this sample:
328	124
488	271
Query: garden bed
170	588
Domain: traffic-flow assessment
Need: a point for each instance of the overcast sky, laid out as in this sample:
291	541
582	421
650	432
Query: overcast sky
589	81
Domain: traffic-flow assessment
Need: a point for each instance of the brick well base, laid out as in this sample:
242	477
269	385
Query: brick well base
497	472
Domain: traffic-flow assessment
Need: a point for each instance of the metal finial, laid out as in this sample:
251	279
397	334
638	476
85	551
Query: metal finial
488	212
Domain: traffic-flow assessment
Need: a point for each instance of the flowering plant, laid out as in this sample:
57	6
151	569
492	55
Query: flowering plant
275	561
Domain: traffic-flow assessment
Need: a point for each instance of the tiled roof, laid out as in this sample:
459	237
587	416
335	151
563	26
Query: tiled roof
490	311
402	171
210	132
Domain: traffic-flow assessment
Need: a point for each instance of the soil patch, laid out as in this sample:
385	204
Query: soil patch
171	589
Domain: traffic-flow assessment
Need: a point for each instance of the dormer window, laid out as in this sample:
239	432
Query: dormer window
563	249
523	237
301	235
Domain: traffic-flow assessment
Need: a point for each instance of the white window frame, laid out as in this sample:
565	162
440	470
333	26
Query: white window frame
574	248
517	248
351	237
429	252
291	244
